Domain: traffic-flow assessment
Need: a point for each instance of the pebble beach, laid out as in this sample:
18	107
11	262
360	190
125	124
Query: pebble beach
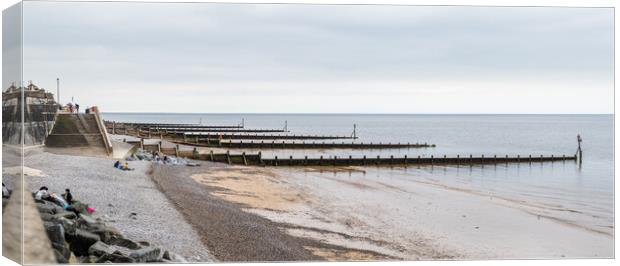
126	200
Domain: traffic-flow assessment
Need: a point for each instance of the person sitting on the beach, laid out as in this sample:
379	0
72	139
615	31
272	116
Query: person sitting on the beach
68	197
117	164
166	159
5	191
42	194
59	200
126	167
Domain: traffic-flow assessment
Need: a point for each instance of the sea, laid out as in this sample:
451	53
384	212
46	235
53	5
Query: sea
579	194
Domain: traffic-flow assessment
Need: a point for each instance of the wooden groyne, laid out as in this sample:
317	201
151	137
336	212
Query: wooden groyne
180	131
257	159
379	161
229	136
127	126
315	145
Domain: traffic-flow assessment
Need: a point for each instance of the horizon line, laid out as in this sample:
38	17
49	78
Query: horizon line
327	113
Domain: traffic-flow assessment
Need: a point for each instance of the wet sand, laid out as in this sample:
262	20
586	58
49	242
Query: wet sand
234	234
372	216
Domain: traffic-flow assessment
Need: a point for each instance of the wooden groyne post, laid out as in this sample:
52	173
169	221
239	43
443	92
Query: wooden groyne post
579	153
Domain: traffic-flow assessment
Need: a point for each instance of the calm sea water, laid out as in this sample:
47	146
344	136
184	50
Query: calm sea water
579	195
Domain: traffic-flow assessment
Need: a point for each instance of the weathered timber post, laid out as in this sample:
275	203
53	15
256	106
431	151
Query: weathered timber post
184	138
364	160
518	158
335	158
349	161
176	150
113	127
321	160
432	159
141	143
579	153
260	158
290	160
495	159
530	159
245	161
149	132
159	146
457	159
276	161
471	159
306	160
211	155
195	153
391	159
228	157
405	158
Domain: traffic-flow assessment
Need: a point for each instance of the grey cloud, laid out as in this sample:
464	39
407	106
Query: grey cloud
140	43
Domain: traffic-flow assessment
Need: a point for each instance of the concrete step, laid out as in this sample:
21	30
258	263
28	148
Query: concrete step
75	130
75	124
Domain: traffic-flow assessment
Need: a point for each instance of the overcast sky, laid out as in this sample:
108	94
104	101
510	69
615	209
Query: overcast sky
154	57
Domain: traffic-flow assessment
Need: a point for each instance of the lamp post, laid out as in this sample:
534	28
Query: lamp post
58	90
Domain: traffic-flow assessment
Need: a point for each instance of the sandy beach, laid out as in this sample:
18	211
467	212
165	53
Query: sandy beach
232	233
395	218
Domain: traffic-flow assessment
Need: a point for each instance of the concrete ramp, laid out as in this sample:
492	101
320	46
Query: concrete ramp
72	130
